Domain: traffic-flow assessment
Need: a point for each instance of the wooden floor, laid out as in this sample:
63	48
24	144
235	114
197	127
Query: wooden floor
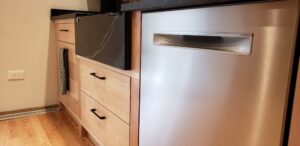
51	129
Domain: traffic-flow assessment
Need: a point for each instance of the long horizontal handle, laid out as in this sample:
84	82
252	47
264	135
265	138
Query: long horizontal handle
100	117
240	44
65	30
95	75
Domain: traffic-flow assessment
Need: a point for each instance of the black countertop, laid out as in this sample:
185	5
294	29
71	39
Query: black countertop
149	5
66	14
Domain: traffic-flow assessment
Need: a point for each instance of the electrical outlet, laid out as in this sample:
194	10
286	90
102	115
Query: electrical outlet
16	75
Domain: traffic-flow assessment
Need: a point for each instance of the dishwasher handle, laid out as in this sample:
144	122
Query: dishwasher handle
240	44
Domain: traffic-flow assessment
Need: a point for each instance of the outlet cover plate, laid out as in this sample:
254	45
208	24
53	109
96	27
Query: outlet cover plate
15	75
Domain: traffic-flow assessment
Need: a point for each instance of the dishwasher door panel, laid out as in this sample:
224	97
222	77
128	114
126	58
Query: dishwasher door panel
196	93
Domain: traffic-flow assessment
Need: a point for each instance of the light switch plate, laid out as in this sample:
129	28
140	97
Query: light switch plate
15	75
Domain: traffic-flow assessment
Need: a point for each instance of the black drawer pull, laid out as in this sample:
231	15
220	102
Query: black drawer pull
101	78
94	112
65	30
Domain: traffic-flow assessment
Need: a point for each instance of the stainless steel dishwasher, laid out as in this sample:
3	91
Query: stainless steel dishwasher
217	76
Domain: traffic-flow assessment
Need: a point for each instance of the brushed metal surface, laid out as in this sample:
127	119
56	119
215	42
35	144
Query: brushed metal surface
195	97
232	43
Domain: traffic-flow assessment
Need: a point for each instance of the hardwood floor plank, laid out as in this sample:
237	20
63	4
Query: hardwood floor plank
41	134
26	132
4	133
65	130
51	129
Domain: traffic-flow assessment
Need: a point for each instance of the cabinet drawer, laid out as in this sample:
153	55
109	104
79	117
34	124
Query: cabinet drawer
65	32
107	128
109	88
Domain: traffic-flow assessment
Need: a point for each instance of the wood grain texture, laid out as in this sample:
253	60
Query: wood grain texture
135	82
74	121
111	131
51	129
128	73
294	138
113	92
134	112
136	41
65	32
59	21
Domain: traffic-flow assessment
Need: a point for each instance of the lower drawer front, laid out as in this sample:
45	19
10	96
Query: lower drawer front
107	128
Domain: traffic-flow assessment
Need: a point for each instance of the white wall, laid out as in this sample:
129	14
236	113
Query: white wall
26	42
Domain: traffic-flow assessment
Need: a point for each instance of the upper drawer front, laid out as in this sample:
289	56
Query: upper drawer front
109	88
65	32
108	128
